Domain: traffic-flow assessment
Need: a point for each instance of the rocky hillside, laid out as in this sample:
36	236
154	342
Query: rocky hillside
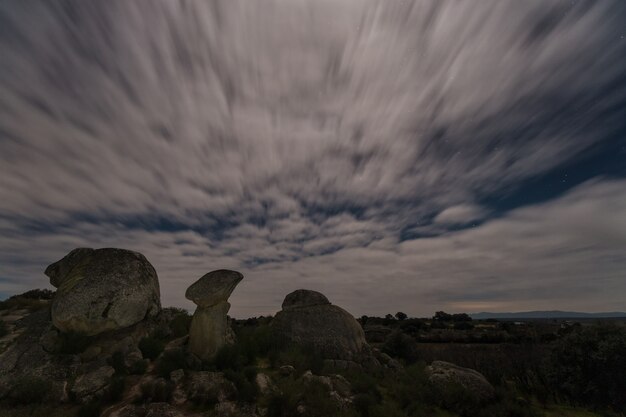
101	345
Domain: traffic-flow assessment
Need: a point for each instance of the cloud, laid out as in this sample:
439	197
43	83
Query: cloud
460	214
567	253
298	141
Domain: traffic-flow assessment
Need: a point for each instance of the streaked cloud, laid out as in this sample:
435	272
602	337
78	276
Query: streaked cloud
339	145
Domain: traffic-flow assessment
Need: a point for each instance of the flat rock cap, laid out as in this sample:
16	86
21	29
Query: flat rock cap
214	287
304	298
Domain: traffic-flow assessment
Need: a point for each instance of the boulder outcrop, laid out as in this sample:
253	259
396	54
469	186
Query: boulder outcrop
102	289
443	374
309	320
209	329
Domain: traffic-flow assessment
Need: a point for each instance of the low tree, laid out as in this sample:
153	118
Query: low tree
401	316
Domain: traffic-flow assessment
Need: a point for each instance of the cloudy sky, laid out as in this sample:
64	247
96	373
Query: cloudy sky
395	155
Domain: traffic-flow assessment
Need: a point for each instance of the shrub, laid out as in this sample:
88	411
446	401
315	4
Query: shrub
116	388
117	362
401	346
138	367
245	382
587	366
91	409
30	390
170	361
179	326
151	347
314	396
4	330
157	391
300	358
463	325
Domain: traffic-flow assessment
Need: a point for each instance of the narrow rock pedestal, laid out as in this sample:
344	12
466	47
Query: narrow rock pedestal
210	330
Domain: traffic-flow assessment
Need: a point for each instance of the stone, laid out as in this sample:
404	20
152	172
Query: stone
264	382
213	288
441	374
50	341
177	376
210	330
310	321
89	383
206	387
304	298
102	290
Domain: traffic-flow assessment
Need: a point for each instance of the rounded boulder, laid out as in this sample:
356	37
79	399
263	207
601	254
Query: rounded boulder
309	320
100	290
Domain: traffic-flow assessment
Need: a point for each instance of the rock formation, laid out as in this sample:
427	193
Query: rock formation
308	319
209	329
441	374
102	289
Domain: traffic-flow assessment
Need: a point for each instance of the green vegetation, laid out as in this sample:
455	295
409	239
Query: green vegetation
157	391
30	389
179	326
151	347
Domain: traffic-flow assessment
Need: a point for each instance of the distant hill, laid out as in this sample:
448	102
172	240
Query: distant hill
547	315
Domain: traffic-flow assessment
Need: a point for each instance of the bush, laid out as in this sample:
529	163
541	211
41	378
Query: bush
300	358
179	326
27	390
138	367
4	330
91	409
116	389
157	391
314	396
151	347
170	361
117	362
587	366
401	346
245	382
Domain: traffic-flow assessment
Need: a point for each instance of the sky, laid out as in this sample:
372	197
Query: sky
407	156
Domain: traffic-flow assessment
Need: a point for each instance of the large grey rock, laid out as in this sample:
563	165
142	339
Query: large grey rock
213	288
443	374
92	381
209	387
102	289
304	298
309	320
210	330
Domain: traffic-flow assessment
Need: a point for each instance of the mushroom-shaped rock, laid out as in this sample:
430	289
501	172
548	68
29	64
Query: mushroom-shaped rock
209	329
309	320
102	289
213	288
441	374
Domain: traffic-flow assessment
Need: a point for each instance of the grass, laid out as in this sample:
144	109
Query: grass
565	411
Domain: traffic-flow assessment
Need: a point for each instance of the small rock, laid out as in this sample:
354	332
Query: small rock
50	341
209	387
177	376
264	383
441	374
88	384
